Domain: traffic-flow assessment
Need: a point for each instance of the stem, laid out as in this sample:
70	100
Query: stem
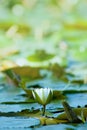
44	108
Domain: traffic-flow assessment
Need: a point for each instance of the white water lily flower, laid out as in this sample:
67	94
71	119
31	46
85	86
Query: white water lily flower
43	95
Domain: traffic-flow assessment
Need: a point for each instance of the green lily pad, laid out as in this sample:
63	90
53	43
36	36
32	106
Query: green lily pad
25	71
40	56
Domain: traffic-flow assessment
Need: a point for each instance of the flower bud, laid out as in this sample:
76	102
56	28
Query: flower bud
43	95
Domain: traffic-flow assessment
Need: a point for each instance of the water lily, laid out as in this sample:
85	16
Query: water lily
43	96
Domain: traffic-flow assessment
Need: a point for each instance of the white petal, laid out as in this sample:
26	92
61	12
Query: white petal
46	93
43	94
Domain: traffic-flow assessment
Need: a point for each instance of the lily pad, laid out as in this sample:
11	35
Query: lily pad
81	126
55	127
40	56
22	28
77	99
33	72
26	73
18	122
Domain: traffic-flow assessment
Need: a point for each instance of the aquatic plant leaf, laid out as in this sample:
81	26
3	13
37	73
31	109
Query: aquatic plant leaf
57	70
50	121
40	56
58	127
33	72
18	122
77	111
17	74
22	28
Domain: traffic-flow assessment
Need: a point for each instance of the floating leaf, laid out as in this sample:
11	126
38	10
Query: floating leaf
51	121
33	72
17	122
59	127
57	70
22	28
16	74
80	25
63	116
40	56
6	64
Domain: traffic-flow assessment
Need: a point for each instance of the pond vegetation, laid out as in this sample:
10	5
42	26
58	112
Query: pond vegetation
43	64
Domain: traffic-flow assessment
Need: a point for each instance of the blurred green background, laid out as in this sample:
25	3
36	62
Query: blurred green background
52	30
